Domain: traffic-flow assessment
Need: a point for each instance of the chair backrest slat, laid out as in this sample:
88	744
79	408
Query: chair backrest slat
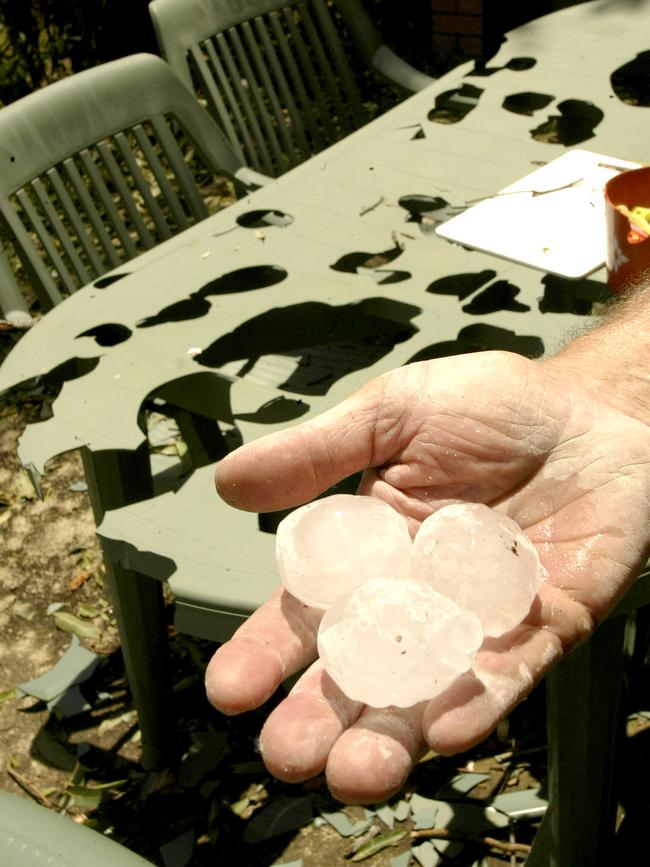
74	217
167	192
327	75
90	210
244	87
143	187
289	120
35	225
280	139
105	199
45	286
206	65
340	65
287	73
303	50
59	230
127	202
99	167
181	172
167	198
275	73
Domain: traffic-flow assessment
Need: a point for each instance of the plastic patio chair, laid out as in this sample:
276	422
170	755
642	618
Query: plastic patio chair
275	73
31	836
94	173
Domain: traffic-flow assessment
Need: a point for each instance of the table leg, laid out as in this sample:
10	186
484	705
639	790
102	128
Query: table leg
117	478
584	696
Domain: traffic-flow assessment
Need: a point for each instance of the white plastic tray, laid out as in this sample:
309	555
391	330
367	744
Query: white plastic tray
552	219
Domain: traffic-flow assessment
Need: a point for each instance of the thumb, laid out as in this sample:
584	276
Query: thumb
290	467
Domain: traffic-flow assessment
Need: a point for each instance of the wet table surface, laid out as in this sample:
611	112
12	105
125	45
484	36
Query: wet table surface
285	302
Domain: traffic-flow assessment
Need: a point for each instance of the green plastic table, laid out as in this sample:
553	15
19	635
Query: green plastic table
287	301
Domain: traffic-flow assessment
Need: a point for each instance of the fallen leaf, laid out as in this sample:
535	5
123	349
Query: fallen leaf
79	579
377	844
53	751
85	609
69	623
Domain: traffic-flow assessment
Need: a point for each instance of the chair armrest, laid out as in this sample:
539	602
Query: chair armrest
251	179
385	61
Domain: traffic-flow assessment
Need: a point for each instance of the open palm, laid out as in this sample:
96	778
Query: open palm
495	428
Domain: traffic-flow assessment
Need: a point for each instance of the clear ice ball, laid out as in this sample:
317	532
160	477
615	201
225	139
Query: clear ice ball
396	642
482	560
329	546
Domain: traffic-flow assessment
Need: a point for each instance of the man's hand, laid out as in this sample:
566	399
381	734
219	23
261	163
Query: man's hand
570	467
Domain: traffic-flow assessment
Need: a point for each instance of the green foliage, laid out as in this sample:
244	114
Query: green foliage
43	40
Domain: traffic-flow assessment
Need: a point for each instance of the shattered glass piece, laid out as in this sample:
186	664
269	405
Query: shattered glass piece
75	666
386	815
396	641
342	823
319	552
69	703
426	855
527	804
401	810
460	785
482	560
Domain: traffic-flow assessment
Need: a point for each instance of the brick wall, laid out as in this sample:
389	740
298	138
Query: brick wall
457	27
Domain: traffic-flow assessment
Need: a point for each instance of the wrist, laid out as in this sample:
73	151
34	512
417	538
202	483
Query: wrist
611	361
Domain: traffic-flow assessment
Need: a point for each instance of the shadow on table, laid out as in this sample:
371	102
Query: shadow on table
321	343
479	337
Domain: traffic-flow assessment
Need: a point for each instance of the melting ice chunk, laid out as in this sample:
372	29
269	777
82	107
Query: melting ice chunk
396	642
482	560
331	545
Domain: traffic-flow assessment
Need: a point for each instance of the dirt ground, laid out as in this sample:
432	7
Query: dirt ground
218	806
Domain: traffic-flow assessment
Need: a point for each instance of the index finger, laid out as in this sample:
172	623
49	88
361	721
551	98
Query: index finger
290	467
276	641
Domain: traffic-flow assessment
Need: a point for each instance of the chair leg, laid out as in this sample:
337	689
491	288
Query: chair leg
584	696
203	438
115	479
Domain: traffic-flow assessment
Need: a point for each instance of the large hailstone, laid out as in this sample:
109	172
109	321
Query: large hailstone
482	560
331	545
396	642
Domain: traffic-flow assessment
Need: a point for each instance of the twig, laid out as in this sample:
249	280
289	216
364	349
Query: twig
24	783
533	193
492	842
514	753
370	208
